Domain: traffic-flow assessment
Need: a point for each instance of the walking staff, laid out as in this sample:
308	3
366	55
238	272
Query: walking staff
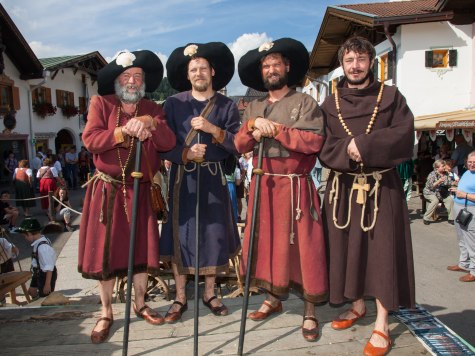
197	250
119	121
290	246
198	71
258	172
137	176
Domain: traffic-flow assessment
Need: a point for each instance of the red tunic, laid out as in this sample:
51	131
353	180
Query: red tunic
104	245
279	265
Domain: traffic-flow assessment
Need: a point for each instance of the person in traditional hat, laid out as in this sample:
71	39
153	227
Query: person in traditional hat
117	119
43	259
198	71
370	130
289	243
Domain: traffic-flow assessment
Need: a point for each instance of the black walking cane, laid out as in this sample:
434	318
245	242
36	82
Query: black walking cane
137	175
258	172
197	249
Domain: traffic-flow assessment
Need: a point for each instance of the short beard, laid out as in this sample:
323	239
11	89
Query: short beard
360	81
282	82
126	97
201	87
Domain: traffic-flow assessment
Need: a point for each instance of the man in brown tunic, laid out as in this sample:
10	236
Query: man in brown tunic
370	130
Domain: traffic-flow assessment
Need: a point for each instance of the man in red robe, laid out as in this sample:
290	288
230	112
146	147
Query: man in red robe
290	248
116	120
370	130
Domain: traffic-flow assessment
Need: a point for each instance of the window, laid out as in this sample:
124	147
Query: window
64	98
41	95
441	58
9	95
386	67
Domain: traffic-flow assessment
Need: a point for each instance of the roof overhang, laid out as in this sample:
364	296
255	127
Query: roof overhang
341	23
461	119
90	63
18	49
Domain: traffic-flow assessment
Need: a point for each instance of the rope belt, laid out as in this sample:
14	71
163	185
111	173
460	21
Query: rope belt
100	176
360	183
212	167
298	211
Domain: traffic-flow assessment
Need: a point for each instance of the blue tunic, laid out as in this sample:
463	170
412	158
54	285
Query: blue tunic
219	238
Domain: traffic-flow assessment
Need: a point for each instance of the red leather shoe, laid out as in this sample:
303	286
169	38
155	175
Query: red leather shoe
340	324
370	350
98	337
151	317
257	315
310	334
467	278
173	317
456	268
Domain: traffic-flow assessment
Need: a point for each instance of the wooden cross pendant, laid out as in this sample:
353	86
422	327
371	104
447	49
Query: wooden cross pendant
362	188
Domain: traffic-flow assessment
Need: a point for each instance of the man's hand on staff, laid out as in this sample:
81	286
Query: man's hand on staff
196	152
353	151
139	127
267	127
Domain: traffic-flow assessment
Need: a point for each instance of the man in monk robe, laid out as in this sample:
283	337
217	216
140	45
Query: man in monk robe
370	130
116	120
289	244
198	71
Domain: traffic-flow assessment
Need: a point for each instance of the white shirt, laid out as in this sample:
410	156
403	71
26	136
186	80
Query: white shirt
53	171
46	255
5	250
57	166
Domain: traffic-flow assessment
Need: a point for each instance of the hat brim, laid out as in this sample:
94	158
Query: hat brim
217	54
249	66
147	60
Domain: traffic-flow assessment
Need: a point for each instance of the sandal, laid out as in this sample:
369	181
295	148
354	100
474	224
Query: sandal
222	310
98	337
310	334
152	317
371	350
173	317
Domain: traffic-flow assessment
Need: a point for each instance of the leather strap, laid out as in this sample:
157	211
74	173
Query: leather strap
312	318
384	336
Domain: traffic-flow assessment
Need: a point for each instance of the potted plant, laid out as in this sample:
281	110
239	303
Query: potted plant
43	109
69	110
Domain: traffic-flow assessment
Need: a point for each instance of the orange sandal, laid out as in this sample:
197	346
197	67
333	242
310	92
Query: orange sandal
370	350
340	324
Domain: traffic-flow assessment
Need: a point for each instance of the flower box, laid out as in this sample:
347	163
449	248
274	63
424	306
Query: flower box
44	109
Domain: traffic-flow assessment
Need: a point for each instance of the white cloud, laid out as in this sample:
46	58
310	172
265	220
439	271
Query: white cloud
241	46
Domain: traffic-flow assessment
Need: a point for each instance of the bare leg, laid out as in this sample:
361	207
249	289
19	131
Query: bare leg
106	289
140	287
180	284
381	324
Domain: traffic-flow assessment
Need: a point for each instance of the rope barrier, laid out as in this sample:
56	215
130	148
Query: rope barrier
46	196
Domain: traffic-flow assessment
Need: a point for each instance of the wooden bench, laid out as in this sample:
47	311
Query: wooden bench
11	280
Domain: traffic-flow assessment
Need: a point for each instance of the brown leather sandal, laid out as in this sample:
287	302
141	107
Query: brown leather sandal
222	310
98	337
310	334
152	317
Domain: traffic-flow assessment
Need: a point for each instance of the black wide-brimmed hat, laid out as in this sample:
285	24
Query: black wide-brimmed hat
217	54
29	225
147	60
249	66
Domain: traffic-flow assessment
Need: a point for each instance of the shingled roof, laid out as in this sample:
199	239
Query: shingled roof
90	63
373	20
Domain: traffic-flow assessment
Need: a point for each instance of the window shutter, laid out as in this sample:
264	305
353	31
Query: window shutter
34	96
48	95
16	98
452	57
390	65
429	59
71	98
375	68
59	98
82	105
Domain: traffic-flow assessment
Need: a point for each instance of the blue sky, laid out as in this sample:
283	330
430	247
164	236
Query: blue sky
57	27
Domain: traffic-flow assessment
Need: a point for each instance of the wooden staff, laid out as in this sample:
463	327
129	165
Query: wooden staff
137	175
197	250
255	203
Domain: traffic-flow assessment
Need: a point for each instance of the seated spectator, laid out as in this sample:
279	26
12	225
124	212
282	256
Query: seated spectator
437	190
8	214
63	214
43	259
